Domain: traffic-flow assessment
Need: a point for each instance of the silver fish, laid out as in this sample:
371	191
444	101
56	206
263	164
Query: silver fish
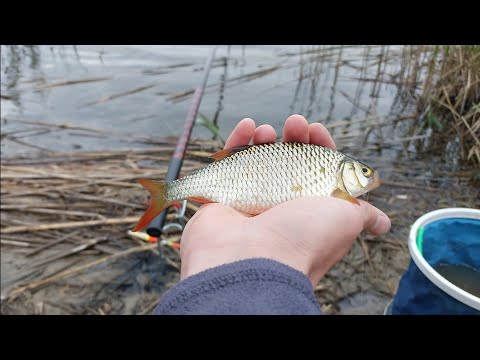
254	178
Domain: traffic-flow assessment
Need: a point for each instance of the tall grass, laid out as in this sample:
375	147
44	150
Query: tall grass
449	98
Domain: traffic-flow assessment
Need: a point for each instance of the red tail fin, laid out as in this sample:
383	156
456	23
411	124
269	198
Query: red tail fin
157	203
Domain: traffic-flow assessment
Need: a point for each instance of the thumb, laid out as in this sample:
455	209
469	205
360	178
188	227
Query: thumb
375	221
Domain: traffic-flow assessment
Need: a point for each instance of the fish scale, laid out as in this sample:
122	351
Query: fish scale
255	179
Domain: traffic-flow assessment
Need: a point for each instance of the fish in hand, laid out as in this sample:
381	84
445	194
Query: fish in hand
255	178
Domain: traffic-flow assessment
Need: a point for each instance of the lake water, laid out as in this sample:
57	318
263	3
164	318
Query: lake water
135	90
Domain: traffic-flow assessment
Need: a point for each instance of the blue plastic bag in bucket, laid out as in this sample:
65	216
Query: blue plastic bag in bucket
443	277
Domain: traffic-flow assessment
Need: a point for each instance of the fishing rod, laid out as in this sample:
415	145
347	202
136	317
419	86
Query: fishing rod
157	225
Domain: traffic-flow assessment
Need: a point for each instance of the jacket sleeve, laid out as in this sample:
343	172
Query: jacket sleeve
253	286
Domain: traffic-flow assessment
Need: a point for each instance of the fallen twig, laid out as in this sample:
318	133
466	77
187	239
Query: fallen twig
71	82
114	96
16	292
52	243
69	225
16	243
70	252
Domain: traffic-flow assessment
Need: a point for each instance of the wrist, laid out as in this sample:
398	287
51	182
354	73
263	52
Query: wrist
226	250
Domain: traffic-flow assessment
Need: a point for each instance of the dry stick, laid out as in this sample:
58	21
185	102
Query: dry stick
128	161
114	96
44	190
70	252
100	199
27	176
30	201
97	179
70	157
230	82
67	309
33	241
69	225
26	274
60	269
117	183
90	182
95	154
22	222
14	293
364	247
105	249
28	183
58	160
352	101
38	174
15	243
91	177
172	263
6	97
52	243
37	133
91	252
71	82
61	126
21	142
23	131
199	153
97	136
25	208
73	224
106	132
56	174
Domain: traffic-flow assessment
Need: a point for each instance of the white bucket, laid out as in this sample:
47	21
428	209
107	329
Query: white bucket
442	283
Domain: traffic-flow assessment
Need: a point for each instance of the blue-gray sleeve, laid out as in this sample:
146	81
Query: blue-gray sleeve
252	286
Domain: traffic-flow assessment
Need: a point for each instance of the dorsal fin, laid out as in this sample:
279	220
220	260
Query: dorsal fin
222	154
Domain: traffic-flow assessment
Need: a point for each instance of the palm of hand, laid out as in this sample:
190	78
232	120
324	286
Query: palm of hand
310	234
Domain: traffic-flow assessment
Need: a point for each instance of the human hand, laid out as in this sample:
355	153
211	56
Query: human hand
310	234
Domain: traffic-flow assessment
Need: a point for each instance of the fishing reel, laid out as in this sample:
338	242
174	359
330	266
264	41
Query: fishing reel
177	225
179	222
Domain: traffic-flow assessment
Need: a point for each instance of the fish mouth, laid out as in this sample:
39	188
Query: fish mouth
376	181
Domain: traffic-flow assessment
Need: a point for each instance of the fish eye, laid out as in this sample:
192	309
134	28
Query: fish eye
366	171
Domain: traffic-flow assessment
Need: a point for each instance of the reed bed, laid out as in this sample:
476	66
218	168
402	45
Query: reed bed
67	213
65	221
447	93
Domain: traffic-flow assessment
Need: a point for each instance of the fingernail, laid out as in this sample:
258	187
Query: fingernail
382	224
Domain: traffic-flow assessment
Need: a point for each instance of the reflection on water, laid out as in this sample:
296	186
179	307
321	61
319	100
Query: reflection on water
13	60
146	90
463	276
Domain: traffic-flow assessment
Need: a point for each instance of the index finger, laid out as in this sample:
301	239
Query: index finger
242	134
